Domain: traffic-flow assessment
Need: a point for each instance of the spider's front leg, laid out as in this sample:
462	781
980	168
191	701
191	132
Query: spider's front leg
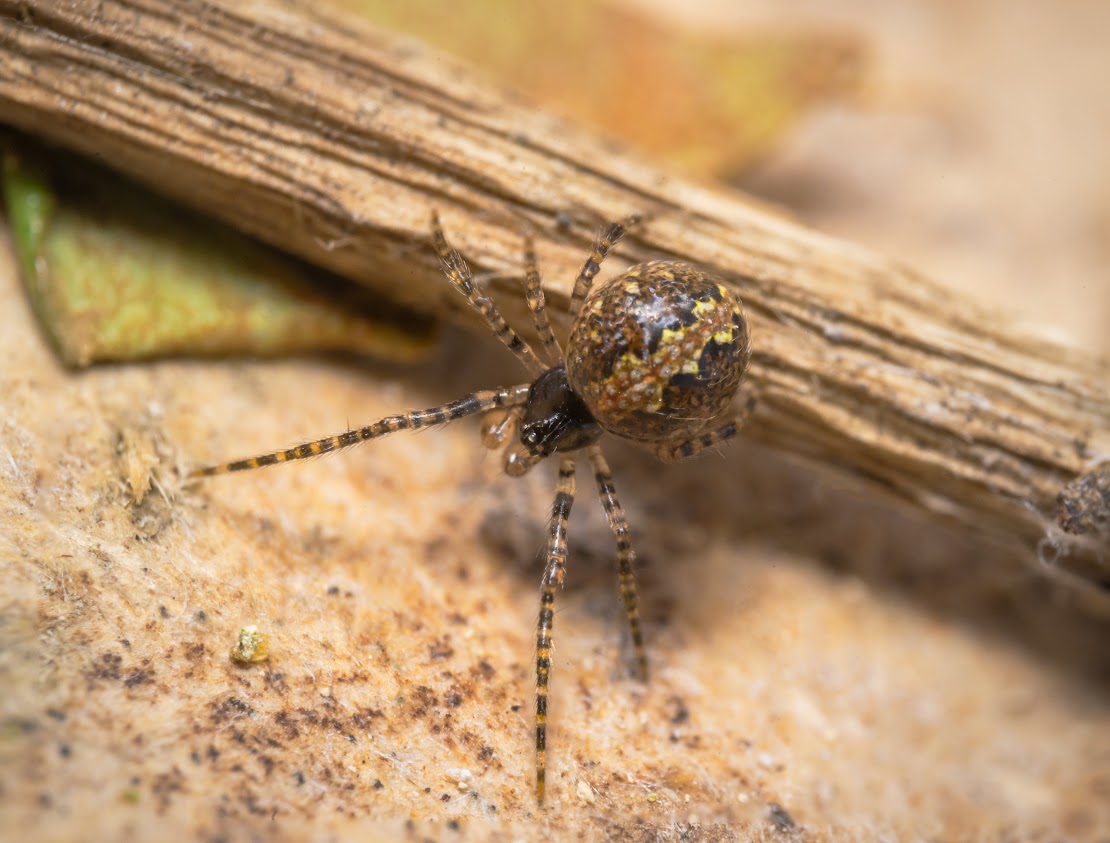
676	450
506	398
554	573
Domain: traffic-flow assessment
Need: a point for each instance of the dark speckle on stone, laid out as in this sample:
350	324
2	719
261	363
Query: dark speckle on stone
780	817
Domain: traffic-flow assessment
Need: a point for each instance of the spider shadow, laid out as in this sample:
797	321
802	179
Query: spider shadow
750	496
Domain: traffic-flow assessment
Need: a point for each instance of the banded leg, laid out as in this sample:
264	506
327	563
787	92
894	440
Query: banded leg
416	420
553	577
684	448
533	288
593	263
614	512
459	273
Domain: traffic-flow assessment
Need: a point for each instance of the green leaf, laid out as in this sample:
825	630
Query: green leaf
116	273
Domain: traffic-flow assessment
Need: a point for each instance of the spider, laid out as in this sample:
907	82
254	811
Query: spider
655	355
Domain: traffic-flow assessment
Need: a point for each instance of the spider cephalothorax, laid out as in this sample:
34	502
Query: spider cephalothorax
656	355
555	418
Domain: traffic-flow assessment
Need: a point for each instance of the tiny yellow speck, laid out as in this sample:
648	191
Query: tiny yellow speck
653	797
252	646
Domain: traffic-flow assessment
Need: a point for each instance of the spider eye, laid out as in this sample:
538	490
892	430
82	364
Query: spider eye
537	442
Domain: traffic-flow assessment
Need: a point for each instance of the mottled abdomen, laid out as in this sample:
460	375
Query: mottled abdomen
659	351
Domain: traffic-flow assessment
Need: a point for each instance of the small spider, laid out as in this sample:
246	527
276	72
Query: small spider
655	355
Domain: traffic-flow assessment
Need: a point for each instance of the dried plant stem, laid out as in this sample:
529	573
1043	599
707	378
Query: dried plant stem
336	142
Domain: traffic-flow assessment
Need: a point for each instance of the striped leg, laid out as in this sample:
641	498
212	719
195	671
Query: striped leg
614	512
676	451
552	581
533	288
593	262
459	273
417	419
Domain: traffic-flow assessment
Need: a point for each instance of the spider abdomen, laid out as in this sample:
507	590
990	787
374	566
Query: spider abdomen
659	351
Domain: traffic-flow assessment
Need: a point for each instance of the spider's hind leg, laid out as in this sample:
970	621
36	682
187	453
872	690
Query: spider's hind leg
681	449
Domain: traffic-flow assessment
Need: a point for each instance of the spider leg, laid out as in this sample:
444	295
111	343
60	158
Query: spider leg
593	263
478	402
533	288
456	269
677	450
618	522
553	575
